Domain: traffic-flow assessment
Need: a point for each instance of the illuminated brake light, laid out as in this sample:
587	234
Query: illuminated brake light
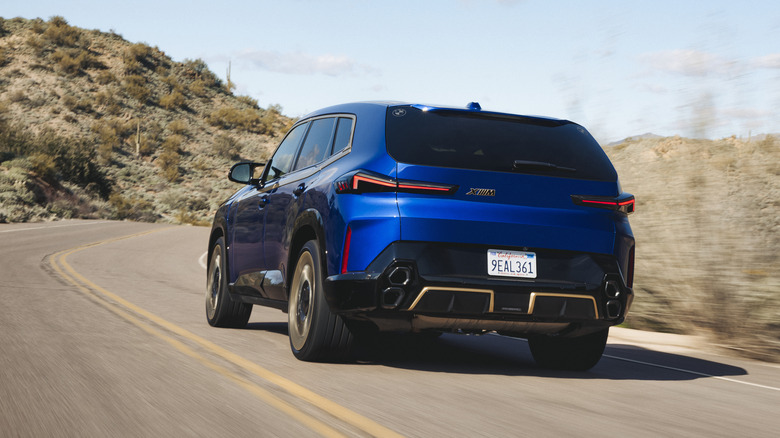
367	179
423	188
625	203
345	253
368	182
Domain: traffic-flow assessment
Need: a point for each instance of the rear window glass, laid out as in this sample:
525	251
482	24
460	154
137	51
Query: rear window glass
495	142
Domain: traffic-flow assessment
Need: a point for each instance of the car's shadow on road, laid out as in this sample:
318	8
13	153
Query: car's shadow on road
492	354
272	327
500	355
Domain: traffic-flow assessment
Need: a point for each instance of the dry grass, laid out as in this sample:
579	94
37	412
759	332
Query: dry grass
708	233
97	89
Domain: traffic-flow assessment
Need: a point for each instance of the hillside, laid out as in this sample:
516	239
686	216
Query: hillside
94	126
707	227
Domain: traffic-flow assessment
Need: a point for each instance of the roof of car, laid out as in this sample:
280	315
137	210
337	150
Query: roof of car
383	104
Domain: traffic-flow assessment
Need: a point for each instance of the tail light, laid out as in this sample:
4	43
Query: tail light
623	203
345	253
365	182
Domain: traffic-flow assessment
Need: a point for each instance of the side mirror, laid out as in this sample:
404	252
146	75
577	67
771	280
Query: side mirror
244	172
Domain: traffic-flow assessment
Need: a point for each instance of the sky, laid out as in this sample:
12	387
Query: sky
704	69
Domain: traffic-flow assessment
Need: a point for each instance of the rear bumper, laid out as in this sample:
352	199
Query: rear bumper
444	286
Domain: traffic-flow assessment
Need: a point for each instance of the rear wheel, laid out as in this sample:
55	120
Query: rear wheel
221	309
576	354
316	334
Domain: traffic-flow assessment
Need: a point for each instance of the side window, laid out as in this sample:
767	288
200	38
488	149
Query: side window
281	162
317	144
343	134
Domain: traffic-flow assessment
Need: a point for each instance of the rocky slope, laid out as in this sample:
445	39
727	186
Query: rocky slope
92	125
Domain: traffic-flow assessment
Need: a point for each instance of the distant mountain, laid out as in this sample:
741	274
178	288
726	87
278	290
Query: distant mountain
94	126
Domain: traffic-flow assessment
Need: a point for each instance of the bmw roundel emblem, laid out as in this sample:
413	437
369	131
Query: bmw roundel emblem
399	112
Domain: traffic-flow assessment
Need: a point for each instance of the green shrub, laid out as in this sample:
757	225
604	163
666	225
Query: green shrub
146	147
173	100
135	87
137	57
104	98
73	159
198	88
38	26
173	143
228	117
66	63
139	51
61	34
189	218
173	83
77	105
227	147
198	69
132	208
248	101
169	160
177	127
17	96
43	165
105	77
4	58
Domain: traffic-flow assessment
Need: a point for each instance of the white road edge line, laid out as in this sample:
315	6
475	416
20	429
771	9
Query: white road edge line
202	260
55	226
681	370
693	372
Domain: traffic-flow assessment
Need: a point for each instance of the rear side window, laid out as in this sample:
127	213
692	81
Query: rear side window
343	134
495	142
317	144
281	162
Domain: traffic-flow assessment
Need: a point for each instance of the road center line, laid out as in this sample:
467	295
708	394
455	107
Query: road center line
326	405
254	389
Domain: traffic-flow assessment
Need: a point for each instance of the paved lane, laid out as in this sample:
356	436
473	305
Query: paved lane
72	364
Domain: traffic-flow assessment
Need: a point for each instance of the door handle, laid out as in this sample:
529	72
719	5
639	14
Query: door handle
299	190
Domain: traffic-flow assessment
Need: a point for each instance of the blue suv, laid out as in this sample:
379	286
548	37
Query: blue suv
386	216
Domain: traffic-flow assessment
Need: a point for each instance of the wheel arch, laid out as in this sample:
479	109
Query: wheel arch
216	232
308	226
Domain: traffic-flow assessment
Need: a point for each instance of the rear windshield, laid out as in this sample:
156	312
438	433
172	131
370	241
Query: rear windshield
495	142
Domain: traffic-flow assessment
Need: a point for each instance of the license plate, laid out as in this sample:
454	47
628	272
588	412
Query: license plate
511	263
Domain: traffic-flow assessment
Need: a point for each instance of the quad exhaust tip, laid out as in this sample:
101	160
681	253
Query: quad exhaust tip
612	289
392	297
613	309
400	276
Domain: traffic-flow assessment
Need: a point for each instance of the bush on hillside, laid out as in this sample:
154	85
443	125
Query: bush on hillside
172	101
135	87
60	33
227	147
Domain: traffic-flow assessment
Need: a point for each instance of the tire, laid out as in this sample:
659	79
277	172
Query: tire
316	334
221	309
576	354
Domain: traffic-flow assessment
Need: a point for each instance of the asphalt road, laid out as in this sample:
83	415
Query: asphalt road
111	340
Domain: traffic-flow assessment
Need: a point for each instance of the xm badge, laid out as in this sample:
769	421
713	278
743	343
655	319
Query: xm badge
482	192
